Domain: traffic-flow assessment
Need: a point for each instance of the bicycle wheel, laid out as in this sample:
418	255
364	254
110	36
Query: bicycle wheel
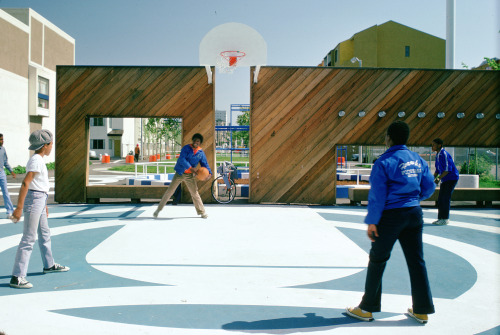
221	193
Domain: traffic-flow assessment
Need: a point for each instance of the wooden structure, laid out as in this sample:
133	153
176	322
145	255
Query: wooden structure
296	119
88	91
296	125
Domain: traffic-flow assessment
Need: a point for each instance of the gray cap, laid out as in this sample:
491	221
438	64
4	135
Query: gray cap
39	138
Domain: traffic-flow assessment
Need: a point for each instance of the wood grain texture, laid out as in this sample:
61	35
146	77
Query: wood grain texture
295	125
121	91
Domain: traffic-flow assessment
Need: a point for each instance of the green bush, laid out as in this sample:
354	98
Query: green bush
17	170
51	166
482	168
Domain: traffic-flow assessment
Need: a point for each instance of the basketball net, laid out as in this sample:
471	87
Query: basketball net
228	61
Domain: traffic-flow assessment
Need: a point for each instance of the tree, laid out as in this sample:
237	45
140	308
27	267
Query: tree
243	120
173	129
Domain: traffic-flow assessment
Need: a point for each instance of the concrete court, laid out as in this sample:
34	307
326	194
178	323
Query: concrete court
246	269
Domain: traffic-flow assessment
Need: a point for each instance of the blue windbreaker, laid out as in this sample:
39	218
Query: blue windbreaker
188	158
399	178
444	162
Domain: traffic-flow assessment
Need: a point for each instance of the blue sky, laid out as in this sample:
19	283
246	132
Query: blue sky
297	32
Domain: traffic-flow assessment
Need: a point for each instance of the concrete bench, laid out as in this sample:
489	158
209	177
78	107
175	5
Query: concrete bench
482	196
135	193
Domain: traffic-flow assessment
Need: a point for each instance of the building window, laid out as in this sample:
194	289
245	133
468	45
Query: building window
43	92
110	142
97	144
335	56
97	121
407	51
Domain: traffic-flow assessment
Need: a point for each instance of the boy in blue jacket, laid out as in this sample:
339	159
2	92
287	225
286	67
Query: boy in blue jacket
399	180
185	171
447	174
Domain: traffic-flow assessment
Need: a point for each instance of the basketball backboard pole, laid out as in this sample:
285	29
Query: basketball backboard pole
209	73
256	74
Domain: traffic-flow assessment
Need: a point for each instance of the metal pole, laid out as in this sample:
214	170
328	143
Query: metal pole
450	34
231	130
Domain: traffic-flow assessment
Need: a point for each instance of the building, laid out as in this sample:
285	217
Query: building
220	117
31	48
113	136
389	45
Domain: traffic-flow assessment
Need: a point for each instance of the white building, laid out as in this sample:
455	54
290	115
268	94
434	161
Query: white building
30	49
221	117
113	136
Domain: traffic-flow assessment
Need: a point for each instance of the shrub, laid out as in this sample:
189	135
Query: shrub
482	168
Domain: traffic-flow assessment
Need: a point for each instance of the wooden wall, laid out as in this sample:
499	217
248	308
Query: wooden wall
96	91
295	125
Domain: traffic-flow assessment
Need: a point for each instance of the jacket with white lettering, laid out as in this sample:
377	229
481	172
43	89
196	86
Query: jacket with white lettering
399	178
188	158
444	162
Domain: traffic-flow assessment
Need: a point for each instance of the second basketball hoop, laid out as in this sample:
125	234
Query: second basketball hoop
228	60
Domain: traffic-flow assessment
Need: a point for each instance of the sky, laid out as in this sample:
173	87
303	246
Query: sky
297	32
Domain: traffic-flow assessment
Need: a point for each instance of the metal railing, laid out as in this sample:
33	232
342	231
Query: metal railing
157	164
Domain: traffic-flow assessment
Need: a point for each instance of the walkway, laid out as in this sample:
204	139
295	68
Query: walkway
246	269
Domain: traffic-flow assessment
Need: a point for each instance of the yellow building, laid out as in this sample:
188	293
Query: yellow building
389	45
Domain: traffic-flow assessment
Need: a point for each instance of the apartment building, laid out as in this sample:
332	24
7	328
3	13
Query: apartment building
30	49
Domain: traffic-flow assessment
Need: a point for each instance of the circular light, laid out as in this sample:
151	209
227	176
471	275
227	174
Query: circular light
341	113
421	114
441	115
479	115
381	114
498	116
401	114
362	113
460	115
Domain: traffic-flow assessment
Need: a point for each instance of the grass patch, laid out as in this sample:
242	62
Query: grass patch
489	183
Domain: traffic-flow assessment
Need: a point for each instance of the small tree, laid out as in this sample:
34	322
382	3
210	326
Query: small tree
243	120
172	130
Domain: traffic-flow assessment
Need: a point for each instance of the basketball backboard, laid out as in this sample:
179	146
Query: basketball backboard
230	45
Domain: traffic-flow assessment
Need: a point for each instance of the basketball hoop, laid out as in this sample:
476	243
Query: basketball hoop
228	60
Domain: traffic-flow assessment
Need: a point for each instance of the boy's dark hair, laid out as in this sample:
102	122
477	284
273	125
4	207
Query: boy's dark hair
438	141
1	135
399	132
197	136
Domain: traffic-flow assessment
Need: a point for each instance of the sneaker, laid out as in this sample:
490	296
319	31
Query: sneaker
204	216
19	282
441	222
56	268
422	318
359	314
155	214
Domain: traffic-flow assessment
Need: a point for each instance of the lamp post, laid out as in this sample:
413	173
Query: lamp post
356	59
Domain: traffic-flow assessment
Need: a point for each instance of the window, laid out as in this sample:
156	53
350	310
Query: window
97	144
335	56
43	92
110	144
407	51
97	121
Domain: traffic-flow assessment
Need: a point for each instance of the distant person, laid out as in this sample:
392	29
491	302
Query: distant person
399	180
33	201
4	163
447	174
185	171
137	152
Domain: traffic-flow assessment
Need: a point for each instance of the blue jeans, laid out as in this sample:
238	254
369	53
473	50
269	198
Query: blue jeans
405	225
35	221
444	198
5	192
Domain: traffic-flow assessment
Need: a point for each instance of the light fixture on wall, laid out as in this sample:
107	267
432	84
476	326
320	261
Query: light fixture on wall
341	113
479	115
460	115
421	114
382	114
498	116
401	114
356	59
441	115
362	113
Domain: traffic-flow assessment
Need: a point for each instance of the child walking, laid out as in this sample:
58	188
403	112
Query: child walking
33	201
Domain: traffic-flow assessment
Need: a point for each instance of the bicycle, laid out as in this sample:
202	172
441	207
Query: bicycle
223	187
